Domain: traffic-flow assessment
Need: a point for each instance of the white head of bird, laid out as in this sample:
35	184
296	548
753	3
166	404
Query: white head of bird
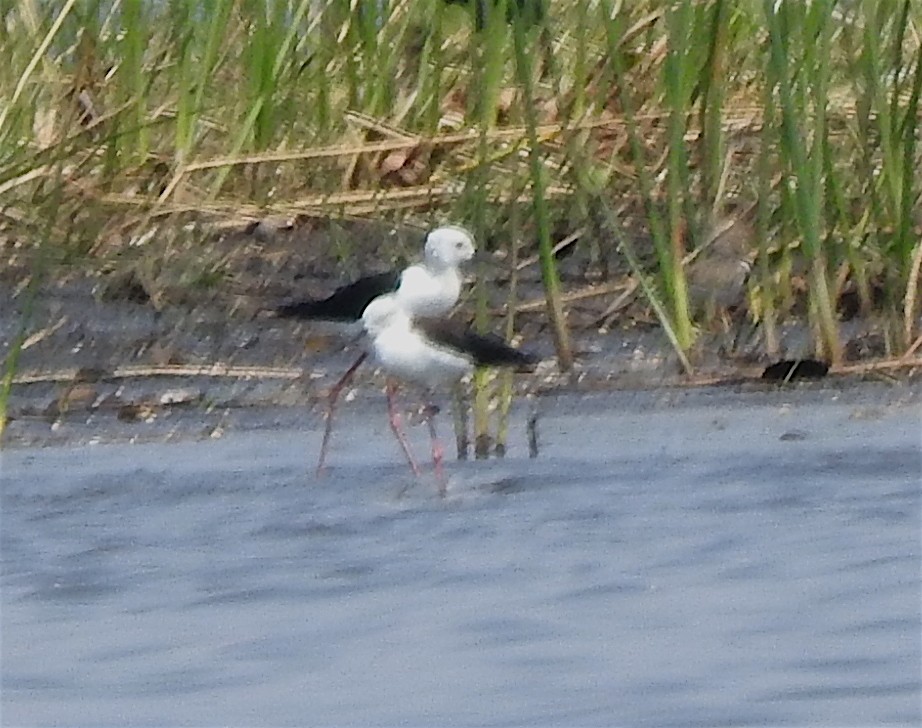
448	247
432	288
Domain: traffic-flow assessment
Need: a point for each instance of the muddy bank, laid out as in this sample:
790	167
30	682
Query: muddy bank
218	406
173	335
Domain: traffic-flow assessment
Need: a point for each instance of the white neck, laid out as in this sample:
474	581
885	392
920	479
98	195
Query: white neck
426	292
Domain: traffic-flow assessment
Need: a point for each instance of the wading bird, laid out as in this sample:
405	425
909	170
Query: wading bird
429	288
430	352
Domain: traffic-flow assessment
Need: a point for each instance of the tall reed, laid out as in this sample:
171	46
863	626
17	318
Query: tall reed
666	231
556	315
798	68
662	109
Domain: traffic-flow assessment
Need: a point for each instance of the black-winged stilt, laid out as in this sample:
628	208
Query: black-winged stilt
429	288
430	352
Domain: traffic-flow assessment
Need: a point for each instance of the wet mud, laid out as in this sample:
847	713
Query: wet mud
175	336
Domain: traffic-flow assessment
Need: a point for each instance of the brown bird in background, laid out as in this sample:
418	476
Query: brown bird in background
718	274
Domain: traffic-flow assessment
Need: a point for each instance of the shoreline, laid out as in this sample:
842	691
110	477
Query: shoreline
197	419
128	344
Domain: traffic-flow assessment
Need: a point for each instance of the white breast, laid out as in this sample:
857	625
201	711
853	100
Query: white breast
423	293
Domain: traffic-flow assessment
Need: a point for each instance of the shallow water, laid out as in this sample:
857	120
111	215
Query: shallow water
748	561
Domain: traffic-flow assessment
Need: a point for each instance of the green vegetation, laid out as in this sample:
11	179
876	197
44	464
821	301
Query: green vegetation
582	116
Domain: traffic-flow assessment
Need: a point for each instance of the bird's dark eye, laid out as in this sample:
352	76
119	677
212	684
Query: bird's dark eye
459	245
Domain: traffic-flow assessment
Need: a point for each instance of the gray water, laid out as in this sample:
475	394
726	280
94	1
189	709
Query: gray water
733	563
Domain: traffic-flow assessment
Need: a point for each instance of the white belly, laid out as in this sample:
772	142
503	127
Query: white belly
406	355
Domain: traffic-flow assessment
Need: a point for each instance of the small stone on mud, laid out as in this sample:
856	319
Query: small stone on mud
181	395
268	228
89	374
136	412
123	286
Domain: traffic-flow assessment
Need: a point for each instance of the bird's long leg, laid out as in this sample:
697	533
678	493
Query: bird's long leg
332	399
438	452
395	418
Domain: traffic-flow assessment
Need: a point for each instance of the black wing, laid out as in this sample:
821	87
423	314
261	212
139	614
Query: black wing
346	303
487	350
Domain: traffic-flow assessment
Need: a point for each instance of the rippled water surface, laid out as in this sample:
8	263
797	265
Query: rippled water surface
732	563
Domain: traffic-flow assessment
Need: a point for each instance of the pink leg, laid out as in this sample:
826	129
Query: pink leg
438	452
331	408
394	416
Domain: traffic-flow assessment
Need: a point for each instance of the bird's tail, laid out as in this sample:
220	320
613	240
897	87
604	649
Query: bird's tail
492	351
